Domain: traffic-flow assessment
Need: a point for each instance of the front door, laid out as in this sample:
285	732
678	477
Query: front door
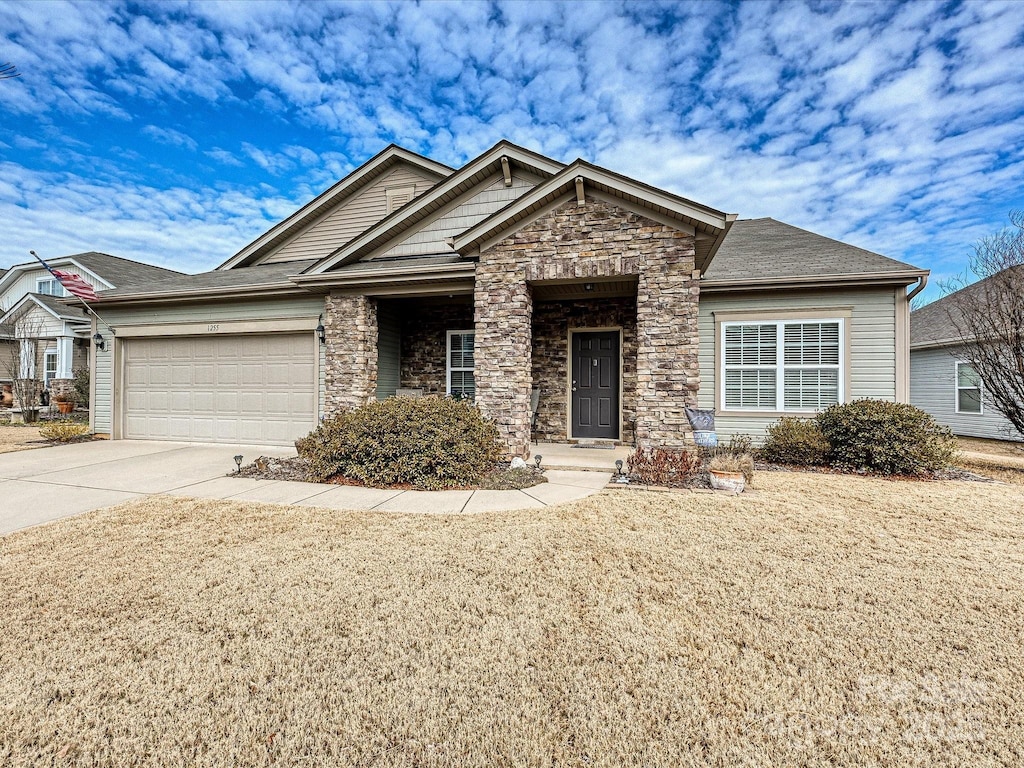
595	384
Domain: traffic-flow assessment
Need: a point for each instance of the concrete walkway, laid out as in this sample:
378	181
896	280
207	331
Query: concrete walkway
45	484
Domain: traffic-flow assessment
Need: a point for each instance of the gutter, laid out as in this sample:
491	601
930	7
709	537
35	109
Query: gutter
198	294
905	277
920	287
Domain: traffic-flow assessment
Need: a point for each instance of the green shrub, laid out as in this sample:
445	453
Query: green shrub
661	466
81	381
427	442
881	436
63	431
795	441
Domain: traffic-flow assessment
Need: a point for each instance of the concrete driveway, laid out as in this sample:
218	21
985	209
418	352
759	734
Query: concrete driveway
44	484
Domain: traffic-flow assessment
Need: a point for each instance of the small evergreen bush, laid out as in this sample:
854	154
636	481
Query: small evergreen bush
63	431
427	442
795	441
81	381
662	466
886	437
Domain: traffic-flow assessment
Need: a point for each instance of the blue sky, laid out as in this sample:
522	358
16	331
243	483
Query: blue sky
175	133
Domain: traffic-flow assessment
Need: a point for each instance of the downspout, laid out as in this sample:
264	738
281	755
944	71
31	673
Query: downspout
921	283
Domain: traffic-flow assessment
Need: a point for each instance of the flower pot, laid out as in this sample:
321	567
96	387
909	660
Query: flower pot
727	481
65	407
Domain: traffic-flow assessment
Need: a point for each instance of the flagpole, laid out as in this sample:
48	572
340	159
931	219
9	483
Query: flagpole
84	302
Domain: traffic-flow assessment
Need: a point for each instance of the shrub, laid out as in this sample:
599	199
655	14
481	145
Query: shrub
428	442
63	398
661	466
795	441
743	463
881	436
63	431
81	379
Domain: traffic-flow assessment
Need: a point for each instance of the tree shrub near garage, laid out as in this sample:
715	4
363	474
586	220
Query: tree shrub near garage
886	437
430	443
796	441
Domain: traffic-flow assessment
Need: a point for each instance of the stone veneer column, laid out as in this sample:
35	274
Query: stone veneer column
503	361
667	362
350	323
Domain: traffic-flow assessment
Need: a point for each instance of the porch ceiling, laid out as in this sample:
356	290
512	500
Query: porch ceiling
584	288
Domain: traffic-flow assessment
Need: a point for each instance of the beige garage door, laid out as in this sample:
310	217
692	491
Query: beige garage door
252	388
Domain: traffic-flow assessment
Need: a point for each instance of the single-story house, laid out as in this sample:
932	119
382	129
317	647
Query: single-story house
44	331
942	380
570	302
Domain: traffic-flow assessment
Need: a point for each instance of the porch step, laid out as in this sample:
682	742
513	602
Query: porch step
608	445
566	456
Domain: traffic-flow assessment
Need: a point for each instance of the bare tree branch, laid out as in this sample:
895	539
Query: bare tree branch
8	70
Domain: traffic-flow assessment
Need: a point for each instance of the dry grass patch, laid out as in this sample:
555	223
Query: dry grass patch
20	438
998	459
828	620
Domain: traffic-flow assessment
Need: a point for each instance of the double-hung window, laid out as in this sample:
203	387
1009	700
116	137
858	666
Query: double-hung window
968	389
782	365
459	366
49	366
49	286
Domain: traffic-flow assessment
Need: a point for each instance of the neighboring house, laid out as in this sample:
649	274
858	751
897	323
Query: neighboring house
942	381
619	304
32	301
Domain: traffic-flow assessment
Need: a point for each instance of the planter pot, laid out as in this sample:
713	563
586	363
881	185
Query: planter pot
65	407
727	481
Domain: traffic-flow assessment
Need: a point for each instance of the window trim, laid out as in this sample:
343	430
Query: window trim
780	322
957	388
49	354
448	369
62	291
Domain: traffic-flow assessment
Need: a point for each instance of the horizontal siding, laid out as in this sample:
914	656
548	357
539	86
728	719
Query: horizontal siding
933	389
352	217
301	306
488	197
872	344
27	284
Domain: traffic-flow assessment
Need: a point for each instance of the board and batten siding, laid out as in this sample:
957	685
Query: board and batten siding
305	307
872	340
486	198
933	389
349	218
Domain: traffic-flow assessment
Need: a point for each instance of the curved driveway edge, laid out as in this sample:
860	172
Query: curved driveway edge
44	484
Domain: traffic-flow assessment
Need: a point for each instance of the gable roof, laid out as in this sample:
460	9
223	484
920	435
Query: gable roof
709	224
52	304
112	270
769	252
418	209
935	324
372	169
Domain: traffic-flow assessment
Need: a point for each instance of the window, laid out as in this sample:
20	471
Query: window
782	365
50	287
49	366
968	389
461	383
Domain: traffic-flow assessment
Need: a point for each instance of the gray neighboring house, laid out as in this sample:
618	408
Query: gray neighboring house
943	383
570	302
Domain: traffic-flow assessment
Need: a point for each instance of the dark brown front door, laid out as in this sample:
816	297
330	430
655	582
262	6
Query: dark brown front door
595	384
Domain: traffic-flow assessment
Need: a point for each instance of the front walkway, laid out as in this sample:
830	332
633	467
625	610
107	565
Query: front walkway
45	484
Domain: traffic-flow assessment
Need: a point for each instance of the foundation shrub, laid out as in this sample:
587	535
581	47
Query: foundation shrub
795	441
63	431
428	442
81	380
885	437
662	466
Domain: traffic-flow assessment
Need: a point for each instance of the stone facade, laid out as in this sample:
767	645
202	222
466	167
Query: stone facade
350	323
425	326
593	240
551	323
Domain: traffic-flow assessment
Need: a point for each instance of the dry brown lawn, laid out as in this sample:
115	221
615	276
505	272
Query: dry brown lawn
20	438
998	459
824	620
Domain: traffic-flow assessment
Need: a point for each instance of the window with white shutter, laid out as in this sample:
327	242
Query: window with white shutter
802	373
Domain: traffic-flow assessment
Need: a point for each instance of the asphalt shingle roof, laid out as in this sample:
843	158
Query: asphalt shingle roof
121	272
240	277
934	322
766	248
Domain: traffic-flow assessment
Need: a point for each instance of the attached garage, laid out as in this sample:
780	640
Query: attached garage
242	388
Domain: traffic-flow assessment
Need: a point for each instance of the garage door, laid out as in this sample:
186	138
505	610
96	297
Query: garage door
252	388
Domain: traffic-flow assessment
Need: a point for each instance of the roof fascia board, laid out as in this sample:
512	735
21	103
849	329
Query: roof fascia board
429	272
199	294
347	186
903	277
562	199
20	308
404	215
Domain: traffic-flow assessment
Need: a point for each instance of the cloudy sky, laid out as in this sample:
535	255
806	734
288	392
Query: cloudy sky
175	133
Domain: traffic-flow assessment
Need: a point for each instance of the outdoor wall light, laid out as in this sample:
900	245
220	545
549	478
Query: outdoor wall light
536	460
588	286
618	466
97	339
238	463
321	332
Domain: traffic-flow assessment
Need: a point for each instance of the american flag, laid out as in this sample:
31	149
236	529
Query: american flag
74	284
